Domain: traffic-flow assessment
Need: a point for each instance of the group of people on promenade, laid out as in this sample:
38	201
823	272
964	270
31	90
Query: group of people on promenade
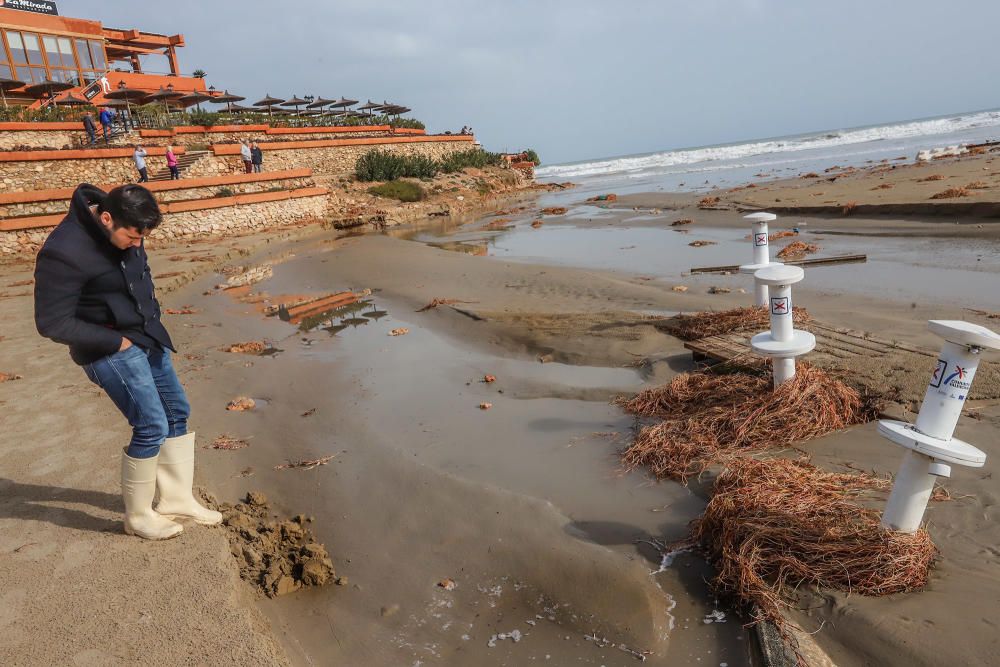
108	117
250	152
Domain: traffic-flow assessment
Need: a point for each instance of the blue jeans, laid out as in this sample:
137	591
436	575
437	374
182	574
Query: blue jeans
143	385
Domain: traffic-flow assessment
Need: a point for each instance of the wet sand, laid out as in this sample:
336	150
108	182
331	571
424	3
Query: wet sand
524	505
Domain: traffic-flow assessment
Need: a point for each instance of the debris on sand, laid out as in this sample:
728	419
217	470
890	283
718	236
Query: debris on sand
554	210
249	277
985	313
514	635
609	197
448	584
241	404
797	249
498	225
488	379
951	193
10	377
679	288
719	290
884	186
443	302
932	177
277	557
305	465
701	244
485	406
247	347
710	419
712	323
184	310
401	331
678	223
777	525
308	413
708	202
537	223
783	234
228	442
978	185
303	311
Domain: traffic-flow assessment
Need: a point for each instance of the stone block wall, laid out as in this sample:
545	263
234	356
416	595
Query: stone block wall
340	160
227	220
49	174
55	206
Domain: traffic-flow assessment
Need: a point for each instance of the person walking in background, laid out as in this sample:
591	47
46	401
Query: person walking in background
94	292
88	125
175	172
105	119
256	157
247	156
139	156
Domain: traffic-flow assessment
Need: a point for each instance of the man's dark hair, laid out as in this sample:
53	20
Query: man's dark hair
132	206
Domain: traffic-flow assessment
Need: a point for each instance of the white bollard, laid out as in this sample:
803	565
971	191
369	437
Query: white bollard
761	252
783	343
931	449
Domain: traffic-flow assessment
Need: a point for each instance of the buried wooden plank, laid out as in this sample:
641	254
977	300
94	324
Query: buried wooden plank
814	261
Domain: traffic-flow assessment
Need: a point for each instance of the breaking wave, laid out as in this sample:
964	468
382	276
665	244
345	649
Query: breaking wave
636	164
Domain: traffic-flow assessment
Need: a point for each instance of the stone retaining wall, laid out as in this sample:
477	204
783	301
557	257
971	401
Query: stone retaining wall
340	160
225	221
49	174
54	206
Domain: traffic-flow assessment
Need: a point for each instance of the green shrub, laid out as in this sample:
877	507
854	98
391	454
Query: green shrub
206	118
408	123
401	190
225	192
533	156
475	157
381	165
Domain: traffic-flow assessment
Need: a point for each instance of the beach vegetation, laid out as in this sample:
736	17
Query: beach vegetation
383	165
405	191
476	157
225	192
533	156
205	118
199	74
951	193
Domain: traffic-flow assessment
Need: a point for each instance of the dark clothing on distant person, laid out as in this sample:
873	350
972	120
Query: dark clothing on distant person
257	158
89	294
88	125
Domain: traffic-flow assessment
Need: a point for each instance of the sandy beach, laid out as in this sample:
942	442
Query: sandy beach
524	506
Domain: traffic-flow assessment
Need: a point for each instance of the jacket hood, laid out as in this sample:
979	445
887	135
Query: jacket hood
84	197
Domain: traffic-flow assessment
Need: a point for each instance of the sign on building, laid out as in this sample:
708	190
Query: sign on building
36	6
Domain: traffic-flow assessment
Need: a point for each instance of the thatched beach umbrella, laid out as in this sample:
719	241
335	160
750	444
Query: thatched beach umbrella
294	102
128	95
371	106
71	100
269	102
7	85
227	99
166	94
320	103
195	98
239	108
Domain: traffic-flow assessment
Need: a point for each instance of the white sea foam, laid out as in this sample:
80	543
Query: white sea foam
645	164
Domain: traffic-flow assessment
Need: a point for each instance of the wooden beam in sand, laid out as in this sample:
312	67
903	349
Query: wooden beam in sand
296	314
815	261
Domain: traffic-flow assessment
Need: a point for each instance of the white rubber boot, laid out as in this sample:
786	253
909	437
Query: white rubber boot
174	479
138	487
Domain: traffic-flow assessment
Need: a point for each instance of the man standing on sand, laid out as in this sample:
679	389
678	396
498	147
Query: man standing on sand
139	156
94	292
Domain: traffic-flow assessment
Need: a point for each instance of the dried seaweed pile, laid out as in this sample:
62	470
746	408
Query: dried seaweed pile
797	249
775	525
710	419
712	323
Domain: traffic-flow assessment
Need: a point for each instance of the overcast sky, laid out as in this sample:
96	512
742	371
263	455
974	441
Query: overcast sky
578	79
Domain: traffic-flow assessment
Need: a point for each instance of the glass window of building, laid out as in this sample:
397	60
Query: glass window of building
32	48
97	53
66	53
83	51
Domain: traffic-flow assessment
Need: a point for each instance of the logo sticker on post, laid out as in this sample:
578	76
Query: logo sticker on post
939	372
779	305
759	239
